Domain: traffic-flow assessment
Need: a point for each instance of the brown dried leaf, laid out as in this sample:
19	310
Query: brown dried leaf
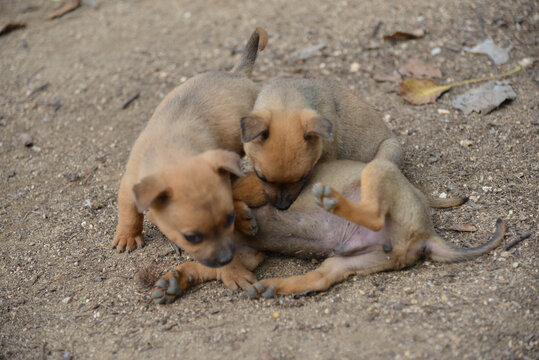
417	68
467	227
424	91
405	35
64	8
9	27
421	91
389	77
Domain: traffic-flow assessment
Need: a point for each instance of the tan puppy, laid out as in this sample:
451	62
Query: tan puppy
179	166
385	226
296	122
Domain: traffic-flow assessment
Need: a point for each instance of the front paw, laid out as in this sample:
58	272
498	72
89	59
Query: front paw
245	220
127	242
170	286
325	197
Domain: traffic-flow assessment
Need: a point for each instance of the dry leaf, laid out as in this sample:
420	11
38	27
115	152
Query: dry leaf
497	54
405	35
66	7
463	227
9	27
421	91
424	91
418	68
389	77
485	98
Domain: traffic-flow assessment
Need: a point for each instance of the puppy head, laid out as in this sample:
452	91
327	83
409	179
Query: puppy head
283	147
192	205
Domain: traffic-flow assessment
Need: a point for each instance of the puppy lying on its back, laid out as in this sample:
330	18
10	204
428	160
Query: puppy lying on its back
297	122
385	226
179	166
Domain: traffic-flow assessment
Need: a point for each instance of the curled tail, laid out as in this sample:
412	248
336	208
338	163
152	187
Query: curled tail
446	203
440	250
257	42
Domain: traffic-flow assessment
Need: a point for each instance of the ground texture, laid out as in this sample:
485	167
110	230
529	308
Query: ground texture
66	294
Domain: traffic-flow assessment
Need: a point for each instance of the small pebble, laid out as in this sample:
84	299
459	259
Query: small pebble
354	67
443	195
443	111
465	143
515	265
67	300
26	139
437	50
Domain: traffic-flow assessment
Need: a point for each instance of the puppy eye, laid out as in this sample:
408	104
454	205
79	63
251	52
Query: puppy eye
230	219
261	177
194	238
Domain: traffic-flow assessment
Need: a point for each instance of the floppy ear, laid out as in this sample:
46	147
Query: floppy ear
253	126
315	124
223	161
149	190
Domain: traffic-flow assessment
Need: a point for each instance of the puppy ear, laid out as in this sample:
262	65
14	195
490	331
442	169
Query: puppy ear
150	190
223	161
319	126
252	127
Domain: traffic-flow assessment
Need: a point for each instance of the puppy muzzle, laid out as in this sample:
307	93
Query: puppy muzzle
221	257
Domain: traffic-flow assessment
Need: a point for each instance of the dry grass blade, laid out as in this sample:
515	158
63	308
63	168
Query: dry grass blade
467	227
66	7
424	91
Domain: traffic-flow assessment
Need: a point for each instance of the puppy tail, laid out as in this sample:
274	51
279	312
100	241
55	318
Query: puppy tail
447	203
257	42
439	250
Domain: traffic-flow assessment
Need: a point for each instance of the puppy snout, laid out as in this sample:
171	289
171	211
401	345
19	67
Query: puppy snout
283	200
226	255
221	256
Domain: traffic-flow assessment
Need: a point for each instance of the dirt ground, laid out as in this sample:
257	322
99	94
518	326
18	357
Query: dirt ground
65	294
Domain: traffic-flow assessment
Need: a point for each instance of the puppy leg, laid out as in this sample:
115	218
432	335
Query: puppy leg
245	221
247	192
129	230
390	150
332	271
235	274
367	212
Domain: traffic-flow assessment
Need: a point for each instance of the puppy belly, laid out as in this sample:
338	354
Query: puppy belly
312	232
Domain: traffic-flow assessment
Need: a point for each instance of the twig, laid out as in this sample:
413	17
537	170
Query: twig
481	24
130	100
376	28
517	240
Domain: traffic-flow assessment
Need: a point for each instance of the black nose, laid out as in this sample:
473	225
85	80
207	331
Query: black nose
227	255
283	200
224	256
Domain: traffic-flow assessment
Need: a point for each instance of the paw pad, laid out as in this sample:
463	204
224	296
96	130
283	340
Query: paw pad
167	291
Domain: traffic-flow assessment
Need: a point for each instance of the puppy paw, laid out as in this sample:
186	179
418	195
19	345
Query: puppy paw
267	290
325	197
245	219
127	242
235	277
171	286
259	290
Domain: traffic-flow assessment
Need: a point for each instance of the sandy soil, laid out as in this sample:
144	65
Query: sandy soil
66	294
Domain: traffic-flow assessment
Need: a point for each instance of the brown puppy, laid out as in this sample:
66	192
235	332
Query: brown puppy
388	228
297	122
178	168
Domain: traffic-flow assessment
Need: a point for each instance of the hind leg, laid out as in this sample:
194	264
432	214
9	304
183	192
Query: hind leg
371	211
333	270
